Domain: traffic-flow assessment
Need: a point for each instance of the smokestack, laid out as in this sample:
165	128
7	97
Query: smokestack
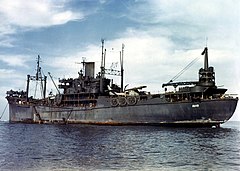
89	69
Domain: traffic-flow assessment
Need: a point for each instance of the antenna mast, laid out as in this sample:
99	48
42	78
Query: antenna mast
38	78
102	67
121	63
103	60
38	74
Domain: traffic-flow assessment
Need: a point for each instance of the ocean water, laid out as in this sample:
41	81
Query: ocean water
26	147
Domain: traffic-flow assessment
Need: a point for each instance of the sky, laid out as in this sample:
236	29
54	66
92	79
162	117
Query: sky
160	38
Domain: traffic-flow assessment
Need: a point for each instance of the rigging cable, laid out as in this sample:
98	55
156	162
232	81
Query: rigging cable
184	69
4	111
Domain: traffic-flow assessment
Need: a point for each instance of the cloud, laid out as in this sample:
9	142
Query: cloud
189	23
185	26
11	79
5	73
68	64
155	59
197	13
37	13
6	41
22	15
15	60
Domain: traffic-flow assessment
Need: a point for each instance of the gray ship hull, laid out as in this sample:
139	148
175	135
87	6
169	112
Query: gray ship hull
150	112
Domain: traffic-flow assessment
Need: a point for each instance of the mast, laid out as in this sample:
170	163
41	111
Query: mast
38	74
110	71
102	67
27	89
38	78
45	86
103	59
121	62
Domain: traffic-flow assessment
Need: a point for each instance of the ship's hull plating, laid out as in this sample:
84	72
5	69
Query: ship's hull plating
204	113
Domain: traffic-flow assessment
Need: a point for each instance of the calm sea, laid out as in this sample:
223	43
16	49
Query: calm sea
86	147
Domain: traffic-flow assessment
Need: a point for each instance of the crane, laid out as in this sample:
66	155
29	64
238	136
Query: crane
53	82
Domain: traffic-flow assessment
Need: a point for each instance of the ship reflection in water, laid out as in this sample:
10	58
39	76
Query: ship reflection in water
88	147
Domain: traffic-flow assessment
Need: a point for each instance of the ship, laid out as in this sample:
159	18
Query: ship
90	99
